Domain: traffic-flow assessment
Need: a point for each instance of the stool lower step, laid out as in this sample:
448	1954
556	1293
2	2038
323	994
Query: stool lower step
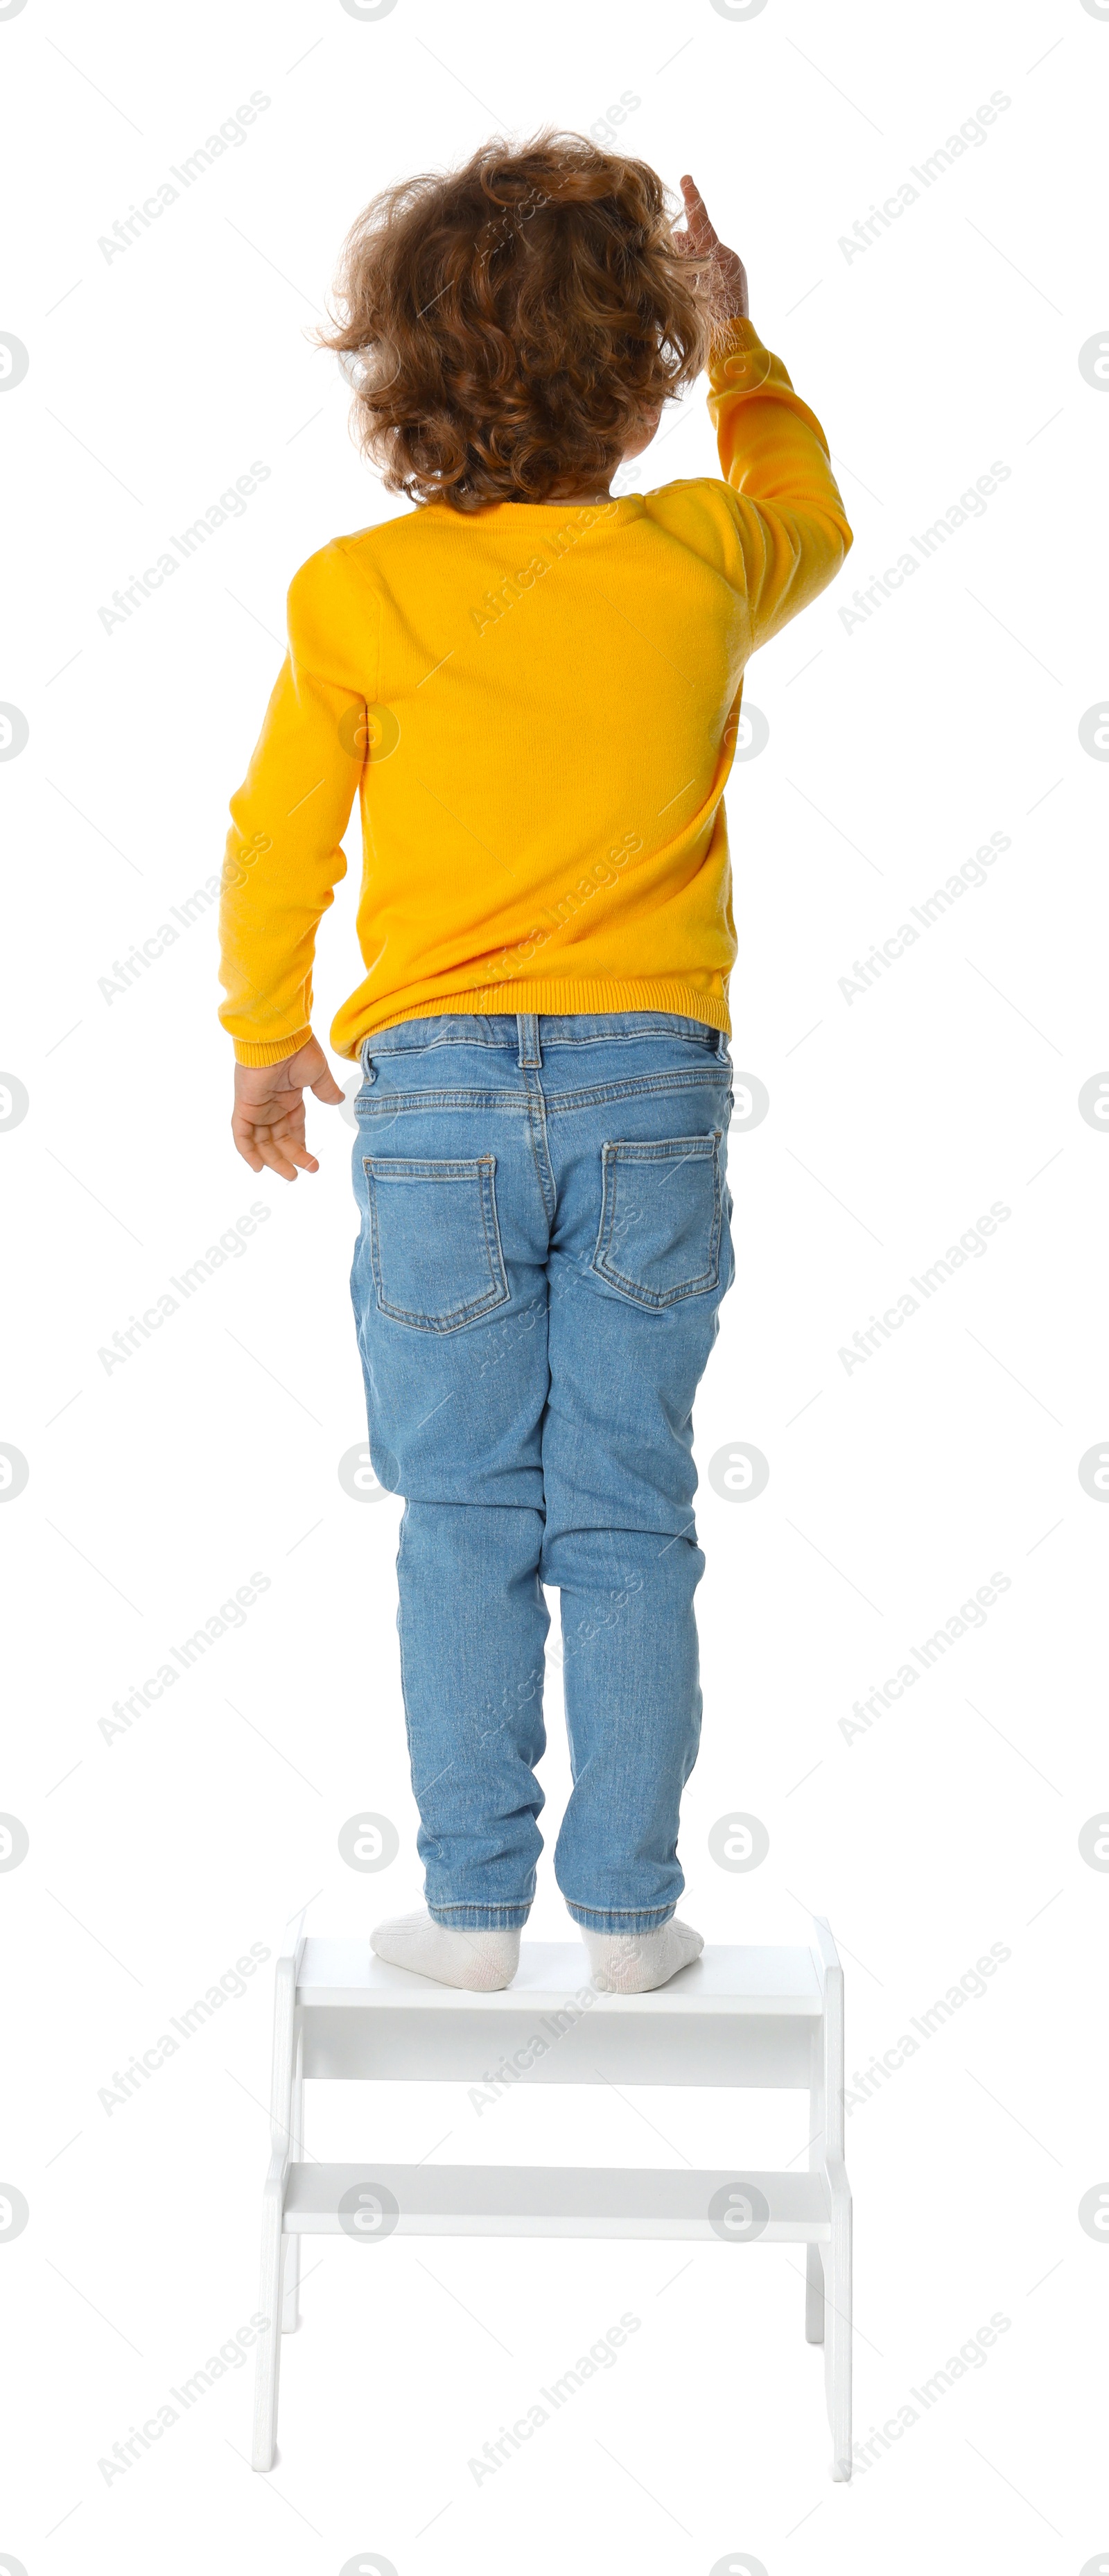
369	2202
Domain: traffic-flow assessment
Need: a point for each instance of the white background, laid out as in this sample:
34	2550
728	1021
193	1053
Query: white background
159	1856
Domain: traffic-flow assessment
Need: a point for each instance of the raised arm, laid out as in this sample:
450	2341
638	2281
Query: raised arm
790	526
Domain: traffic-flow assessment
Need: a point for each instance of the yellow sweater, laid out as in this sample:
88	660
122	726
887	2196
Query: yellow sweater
537	708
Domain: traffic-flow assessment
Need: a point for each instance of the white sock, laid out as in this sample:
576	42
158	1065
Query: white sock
482	1960
634	1963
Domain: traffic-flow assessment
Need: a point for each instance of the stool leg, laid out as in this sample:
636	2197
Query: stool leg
285	2082
269	2340
837	2345
290	2308
814	2295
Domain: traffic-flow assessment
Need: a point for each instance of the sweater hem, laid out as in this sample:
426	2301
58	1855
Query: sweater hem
563	999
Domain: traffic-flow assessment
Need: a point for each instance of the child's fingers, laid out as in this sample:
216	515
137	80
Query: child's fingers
275	1160
263	1147
700	234
327	1089
243	1139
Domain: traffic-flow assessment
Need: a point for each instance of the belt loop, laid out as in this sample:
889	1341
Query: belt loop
527	1030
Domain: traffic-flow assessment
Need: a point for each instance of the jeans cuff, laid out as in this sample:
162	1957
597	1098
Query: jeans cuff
480	1918
601	1918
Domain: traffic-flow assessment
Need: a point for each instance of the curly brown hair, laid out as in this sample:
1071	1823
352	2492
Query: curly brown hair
508	326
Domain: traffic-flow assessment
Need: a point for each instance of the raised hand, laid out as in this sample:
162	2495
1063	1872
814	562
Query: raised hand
722	268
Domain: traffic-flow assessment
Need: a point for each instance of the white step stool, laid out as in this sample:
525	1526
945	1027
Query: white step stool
737	2016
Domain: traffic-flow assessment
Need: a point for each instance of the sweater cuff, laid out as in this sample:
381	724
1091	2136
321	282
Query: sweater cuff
737	357
272	1051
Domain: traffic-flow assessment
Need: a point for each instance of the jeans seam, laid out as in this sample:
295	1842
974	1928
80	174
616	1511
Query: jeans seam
537	1129
662	1911
595	1095
519	1907
635	1087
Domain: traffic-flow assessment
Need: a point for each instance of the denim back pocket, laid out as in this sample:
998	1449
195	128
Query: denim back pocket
434	1239
659	1235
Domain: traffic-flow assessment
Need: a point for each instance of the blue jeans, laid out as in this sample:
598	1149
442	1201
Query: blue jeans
545	1242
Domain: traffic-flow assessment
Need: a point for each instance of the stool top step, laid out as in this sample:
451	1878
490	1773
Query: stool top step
724	1980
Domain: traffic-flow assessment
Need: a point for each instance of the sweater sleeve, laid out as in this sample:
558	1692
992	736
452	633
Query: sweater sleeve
789	524
284	856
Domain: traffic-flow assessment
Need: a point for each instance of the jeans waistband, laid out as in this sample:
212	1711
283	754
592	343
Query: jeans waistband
526	1034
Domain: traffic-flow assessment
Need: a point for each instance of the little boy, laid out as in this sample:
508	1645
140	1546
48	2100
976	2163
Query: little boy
534	690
